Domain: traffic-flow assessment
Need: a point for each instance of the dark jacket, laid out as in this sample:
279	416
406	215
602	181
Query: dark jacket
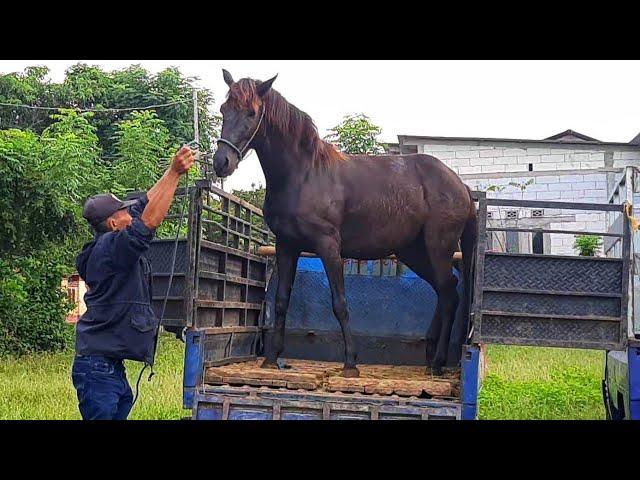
119	321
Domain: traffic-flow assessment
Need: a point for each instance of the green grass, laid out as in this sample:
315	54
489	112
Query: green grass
542	384
38	387
522	383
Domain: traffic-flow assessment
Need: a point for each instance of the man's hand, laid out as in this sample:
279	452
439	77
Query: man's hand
161	194
182	161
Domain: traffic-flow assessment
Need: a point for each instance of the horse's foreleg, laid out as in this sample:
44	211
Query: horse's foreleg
286	259
329	252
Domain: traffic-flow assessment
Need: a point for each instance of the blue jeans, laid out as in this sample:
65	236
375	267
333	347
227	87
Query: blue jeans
102	387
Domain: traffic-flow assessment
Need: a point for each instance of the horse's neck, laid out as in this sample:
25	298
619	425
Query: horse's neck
278	158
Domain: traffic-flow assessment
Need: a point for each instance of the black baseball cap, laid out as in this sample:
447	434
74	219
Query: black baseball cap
100	207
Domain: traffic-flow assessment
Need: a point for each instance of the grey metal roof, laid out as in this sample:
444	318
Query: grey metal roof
570	136
403	138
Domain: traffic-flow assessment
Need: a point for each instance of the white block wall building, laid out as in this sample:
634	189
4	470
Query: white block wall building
566	167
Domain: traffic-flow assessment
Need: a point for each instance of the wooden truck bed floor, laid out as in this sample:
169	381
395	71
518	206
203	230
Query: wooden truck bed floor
404	381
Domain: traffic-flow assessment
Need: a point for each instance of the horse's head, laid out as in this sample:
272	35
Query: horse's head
242	117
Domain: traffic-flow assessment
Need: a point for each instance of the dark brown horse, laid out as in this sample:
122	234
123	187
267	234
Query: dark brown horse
349	206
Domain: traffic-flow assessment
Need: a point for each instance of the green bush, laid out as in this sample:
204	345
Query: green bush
33	306
587	245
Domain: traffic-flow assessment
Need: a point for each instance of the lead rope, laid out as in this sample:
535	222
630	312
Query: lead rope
166	296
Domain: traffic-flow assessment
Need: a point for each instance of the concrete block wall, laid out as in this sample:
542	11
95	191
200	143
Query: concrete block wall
557	172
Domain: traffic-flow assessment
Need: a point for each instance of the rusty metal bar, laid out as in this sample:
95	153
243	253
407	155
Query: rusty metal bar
542	230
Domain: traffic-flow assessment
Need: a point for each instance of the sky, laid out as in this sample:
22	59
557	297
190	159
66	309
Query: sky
503	99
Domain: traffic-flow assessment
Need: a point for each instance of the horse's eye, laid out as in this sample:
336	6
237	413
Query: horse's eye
252	113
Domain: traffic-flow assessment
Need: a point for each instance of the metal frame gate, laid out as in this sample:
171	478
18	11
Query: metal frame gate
551	300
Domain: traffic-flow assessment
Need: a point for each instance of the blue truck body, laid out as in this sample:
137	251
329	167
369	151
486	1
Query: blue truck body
223	291
391	308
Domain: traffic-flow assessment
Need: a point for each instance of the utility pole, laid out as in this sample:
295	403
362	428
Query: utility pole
196	127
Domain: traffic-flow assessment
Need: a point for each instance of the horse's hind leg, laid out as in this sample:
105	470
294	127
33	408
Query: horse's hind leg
430	257
444	282
329	252
416	258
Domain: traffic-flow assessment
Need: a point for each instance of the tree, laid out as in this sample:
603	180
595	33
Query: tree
356	134
43	180
255	196
51	161
89	87
142	142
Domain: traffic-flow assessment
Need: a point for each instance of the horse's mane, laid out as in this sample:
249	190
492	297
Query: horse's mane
287	119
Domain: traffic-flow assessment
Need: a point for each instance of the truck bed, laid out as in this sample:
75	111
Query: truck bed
314	390
311	375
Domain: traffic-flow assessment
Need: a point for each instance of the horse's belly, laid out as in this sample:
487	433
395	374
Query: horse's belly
377	239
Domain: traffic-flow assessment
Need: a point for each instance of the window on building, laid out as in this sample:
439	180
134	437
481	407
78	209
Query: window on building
513	242
537	241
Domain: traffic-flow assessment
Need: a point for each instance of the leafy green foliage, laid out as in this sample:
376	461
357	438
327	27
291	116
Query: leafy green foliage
587	245
51	161
142	144
522	186
89	87
356	134
255	196
32	304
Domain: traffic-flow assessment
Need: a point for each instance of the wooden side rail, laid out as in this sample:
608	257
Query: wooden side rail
270	251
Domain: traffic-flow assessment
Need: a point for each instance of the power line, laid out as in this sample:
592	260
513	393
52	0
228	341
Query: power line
97	110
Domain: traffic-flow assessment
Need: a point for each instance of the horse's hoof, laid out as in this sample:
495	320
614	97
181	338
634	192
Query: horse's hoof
350	372
437	371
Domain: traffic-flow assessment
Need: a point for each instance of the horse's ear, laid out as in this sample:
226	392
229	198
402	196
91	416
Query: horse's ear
228	79
264	87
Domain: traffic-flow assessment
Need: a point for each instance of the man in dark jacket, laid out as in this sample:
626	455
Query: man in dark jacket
119	322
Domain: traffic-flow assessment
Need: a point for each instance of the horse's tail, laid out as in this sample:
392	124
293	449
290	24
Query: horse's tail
468	245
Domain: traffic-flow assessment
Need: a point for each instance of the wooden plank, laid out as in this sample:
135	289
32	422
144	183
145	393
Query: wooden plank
227	304
256	382
231	251
340	384
217	363
267	374
302	385
211	376
270	251
388	387
239	329
230	278
218	191
312	375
